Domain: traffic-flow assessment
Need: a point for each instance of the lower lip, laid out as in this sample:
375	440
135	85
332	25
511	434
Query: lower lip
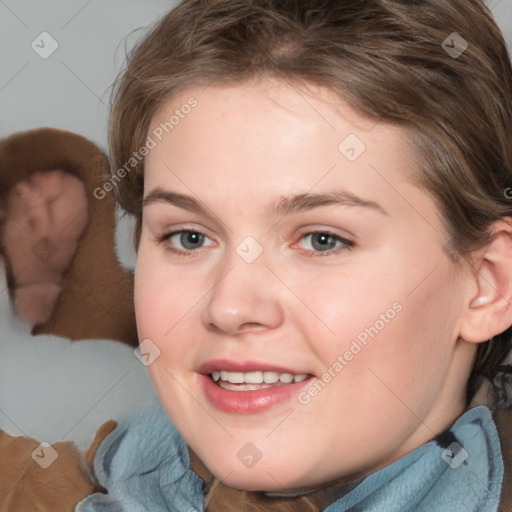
250	402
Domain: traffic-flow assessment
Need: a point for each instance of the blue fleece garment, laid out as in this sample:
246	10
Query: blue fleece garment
144	465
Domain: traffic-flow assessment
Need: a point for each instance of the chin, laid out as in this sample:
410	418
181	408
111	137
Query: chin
263	483
258	478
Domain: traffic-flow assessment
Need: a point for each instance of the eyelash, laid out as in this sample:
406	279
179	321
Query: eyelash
347	245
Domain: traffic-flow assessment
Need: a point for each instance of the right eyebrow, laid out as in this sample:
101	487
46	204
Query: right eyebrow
159	195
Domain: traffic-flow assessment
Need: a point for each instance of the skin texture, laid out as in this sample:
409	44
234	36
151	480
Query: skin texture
241	149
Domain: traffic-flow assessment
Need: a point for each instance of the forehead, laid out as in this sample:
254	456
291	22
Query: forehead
269	107
274	138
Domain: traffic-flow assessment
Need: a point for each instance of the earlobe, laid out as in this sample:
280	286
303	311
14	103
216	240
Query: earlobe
489	310
481	300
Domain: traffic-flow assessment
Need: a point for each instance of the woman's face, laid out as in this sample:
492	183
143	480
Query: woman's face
291	285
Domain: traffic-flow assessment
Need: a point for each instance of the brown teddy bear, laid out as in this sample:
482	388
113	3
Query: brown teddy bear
63	276
58	238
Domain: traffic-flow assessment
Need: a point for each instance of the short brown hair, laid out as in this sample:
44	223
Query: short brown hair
389	59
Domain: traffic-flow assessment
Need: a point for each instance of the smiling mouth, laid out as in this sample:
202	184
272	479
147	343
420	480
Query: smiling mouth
252	381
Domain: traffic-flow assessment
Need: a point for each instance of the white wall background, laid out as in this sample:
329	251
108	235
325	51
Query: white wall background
70	88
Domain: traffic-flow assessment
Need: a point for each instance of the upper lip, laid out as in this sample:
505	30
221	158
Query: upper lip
244	367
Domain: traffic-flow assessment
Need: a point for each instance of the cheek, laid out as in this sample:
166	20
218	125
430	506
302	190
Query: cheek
168	304
343	306
385	324
410	358
147	297
161	300
385	370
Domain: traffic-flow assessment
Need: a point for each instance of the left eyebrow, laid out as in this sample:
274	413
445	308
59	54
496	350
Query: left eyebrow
287	205
284	206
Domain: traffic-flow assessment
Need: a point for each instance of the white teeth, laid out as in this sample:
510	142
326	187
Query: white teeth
236	377
270	377
286	377
257	377
254	377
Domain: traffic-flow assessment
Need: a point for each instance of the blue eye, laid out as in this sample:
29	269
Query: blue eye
325	243
184	241
190	239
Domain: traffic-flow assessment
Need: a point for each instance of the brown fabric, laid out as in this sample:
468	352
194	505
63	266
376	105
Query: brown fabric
26	486
97	293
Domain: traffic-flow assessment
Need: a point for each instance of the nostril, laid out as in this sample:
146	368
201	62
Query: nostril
250	326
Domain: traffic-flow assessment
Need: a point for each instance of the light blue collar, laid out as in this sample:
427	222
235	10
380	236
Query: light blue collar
464	475
144	465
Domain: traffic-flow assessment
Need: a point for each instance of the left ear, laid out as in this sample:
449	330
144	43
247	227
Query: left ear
489	311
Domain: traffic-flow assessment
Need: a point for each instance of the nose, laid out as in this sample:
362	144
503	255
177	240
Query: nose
244	299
